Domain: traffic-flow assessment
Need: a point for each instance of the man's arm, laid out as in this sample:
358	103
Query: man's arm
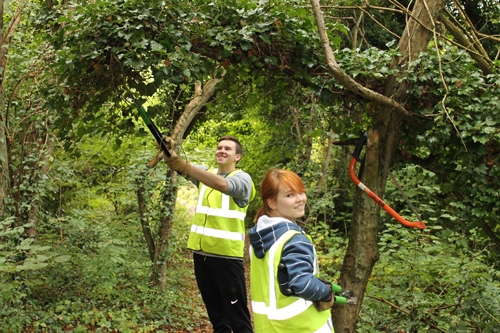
184	168
239	186
210	179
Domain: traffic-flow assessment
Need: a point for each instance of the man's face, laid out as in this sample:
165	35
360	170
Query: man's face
226	153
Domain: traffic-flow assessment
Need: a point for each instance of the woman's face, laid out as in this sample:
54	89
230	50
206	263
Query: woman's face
288	204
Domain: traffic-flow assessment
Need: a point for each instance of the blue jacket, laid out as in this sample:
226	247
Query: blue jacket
298	256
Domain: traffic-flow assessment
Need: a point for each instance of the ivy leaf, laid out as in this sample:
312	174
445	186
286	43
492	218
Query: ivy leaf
265	38
156	46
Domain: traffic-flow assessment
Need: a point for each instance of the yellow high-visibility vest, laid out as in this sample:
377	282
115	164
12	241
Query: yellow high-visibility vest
219	223
275	312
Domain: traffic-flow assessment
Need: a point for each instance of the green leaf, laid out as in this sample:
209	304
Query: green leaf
265	38
62	258
28	266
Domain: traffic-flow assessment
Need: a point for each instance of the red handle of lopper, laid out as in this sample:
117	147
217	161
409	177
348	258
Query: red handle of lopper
380	202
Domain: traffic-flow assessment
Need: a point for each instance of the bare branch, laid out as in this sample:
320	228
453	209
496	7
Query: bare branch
383	300
473	32
462	39
344	78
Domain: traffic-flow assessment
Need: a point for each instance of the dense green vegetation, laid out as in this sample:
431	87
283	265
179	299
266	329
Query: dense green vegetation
88	269
82	213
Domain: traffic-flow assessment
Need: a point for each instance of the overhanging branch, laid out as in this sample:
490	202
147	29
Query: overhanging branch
344	78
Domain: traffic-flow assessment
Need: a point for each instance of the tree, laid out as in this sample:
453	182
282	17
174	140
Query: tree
388	121
6	36
158	246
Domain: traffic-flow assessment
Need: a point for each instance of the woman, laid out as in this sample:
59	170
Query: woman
286	294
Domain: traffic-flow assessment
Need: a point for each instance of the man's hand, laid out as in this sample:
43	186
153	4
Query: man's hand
178	164
168	142
174	162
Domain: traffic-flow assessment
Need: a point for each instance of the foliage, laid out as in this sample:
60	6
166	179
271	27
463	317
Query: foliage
27	120
147	44
21	259
462	144
26	154
330	246
105	285
434	280
77	148
430	281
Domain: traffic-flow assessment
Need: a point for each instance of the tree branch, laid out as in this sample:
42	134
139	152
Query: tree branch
201	96
383	300
463	40
344	78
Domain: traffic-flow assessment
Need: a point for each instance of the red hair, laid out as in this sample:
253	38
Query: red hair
270	188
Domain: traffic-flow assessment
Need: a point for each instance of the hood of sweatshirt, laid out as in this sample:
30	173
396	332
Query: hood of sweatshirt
267	231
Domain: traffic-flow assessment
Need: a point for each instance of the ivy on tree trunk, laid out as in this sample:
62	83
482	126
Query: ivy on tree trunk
387	122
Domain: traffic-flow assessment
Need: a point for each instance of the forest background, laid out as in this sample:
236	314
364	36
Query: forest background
93	228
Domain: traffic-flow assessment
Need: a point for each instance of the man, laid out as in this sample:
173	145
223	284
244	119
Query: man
217	236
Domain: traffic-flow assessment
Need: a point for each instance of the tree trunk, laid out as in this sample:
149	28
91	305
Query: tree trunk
383	139
160	263
326	164
4	165
160	249
495	241
4	152
4	161
143	213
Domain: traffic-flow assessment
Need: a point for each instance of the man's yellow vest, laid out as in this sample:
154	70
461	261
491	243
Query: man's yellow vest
218	223
275	312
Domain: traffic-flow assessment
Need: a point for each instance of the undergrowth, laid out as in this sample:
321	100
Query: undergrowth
429	281
105	286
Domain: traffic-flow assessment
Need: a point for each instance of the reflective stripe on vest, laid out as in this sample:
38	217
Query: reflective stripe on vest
217	233
219	223
224	211
275	312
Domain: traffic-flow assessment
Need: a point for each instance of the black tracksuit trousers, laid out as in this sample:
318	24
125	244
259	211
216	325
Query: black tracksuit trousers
221	282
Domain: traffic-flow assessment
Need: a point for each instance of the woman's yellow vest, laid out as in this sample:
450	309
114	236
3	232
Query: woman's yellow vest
218	223
275	312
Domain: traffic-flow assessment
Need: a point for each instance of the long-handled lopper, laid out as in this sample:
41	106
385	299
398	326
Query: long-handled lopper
356	158
152	127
